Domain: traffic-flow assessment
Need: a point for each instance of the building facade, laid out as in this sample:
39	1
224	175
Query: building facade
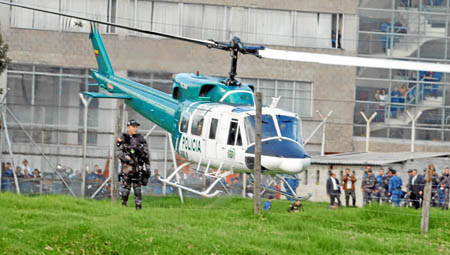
415	30
51	57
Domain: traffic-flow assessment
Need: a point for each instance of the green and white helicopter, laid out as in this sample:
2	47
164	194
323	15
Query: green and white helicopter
211	120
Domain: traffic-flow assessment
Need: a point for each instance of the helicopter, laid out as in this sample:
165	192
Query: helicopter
211	120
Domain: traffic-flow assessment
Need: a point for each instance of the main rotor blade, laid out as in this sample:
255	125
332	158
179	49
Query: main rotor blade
207	43
353	61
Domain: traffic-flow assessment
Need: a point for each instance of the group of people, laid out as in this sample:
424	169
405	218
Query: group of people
397	98
25	176
384	188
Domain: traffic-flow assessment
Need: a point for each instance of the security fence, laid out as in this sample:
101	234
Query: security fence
100	188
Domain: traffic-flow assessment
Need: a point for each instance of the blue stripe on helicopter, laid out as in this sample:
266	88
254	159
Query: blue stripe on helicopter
281	148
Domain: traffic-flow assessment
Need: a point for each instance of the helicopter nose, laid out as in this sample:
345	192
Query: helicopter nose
281	155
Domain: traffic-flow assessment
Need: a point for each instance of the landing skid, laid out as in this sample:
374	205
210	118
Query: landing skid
174	179
269	188
217	175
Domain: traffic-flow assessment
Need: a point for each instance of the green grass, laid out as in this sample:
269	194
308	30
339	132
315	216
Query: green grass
66	225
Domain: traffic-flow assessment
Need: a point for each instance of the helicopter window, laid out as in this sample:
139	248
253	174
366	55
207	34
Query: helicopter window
176	93
197	125
184	122
239	98
289	127
213	128
232	133
239	138
268	128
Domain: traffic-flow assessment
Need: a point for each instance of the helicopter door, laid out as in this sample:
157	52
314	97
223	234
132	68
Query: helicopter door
211	143
233	150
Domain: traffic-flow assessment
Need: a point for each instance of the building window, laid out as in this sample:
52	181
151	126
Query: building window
336	34
103	10
45	100
296	96
252	25
305	180
317	177
161	81
234	134
213	128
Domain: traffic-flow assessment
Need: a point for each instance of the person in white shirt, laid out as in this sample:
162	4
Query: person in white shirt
25	166
333	190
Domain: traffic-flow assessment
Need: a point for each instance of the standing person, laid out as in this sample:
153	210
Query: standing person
25	166
416	189
434	186
36	181
445	187
377	95
133	153
382	186
348	183
333	190
36	174
368	186
408	198
7	176
366	171
395	187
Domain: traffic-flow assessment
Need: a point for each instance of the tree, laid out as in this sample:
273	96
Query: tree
4	60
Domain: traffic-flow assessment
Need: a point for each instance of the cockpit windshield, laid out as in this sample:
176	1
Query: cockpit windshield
239	98
268	128
289	127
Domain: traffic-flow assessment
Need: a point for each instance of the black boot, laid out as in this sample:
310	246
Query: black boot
138	207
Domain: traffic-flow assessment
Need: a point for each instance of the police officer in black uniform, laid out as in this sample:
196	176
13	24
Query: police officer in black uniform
133	153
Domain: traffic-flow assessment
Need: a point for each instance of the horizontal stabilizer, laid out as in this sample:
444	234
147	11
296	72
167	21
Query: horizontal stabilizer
110	96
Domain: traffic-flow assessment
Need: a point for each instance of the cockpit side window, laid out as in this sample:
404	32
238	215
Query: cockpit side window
268	128
184	122
234	134
197	125
213	128
239	138
289	127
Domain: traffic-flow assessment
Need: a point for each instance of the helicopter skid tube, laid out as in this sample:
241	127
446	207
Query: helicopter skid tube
205	193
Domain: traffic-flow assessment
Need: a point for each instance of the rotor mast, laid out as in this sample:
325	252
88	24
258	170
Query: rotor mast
236	47
233	69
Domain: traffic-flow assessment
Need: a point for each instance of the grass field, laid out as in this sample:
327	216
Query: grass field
66	225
